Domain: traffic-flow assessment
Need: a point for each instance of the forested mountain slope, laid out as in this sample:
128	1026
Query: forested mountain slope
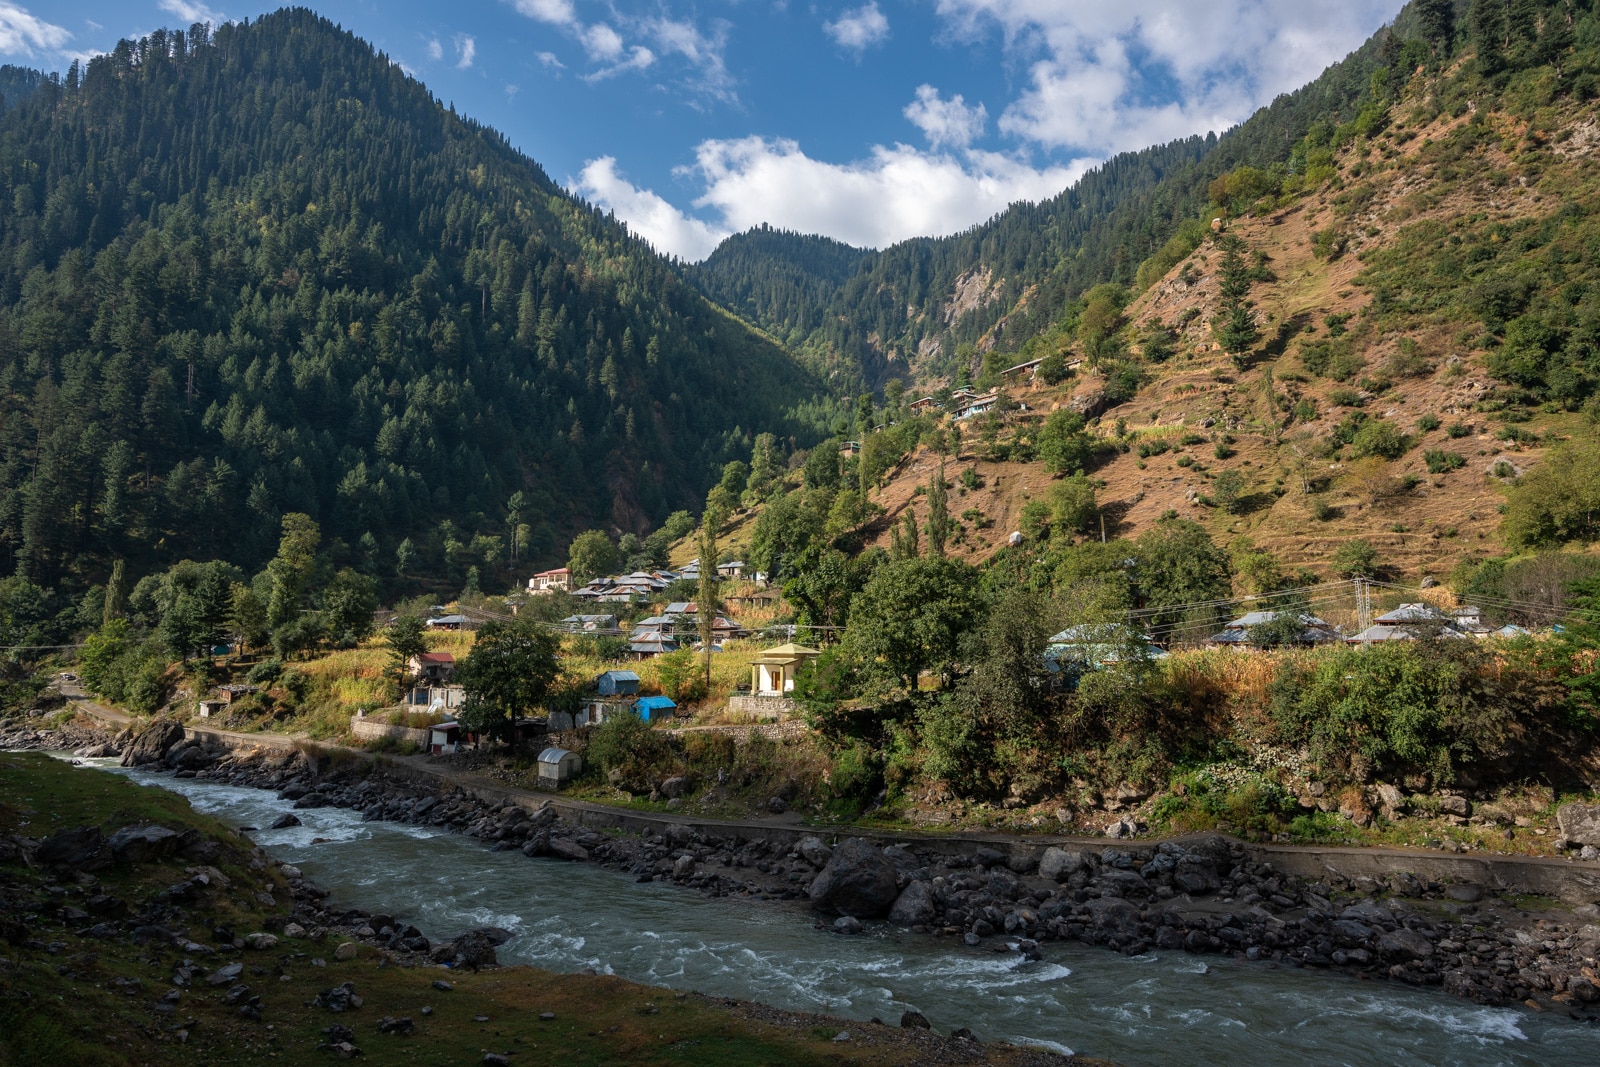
925	308
263	271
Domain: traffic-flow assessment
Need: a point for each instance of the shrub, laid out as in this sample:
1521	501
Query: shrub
1441	462
1355	559
1457	430
1428	423
1222	451
1379	437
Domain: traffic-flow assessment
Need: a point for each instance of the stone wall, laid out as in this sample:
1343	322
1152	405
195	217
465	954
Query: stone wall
767	709
370	730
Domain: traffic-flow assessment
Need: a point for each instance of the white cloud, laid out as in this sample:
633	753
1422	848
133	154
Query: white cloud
555	12
191	13
703	51
1110	77
946	122
22	33
895	194
435	49
638	58
466	50
511	92
860	29
603	43
647	214
550	60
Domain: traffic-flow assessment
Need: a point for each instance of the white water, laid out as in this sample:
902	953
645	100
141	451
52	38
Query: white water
1153	1009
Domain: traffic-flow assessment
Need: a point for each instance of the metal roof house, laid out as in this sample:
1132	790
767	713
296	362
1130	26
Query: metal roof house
1314	631
647	643
617	683
447	622
557	766
1098	644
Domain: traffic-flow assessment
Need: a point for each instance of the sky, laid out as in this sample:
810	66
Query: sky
870	121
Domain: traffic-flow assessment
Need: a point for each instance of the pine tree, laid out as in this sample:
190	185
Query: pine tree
1436	23
1486	28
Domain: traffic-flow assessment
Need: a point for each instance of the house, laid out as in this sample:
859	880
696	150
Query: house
234	693
1469	620
1030	368
849	448
1415	632
557	766
1413	614
690	572
617	683
731	569
646	643
772	673
447	622
977	405
431	667
927	403
445	737
1313	631
556	581
1509	631
756	598
653	709
588	623
655	624
436	697
1098	645
209	706
680	608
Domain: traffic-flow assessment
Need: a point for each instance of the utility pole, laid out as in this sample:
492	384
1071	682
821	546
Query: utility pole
1363	609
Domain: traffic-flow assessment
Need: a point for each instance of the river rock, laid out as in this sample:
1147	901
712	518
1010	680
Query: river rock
813	851
1059	864
152	745
1114	917
1580	823
345	952
914	1020
261	941
1195	875
857	881
914	907
847	924
563	849
1406	945
283	822
82	849
142	844
225	975
1458	806
474	950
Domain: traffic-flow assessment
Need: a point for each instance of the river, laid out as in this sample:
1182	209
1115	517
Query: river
1153	1009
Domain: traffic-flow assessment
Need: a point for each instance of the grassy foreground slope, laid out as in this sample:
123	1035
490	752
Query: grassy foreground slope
68	997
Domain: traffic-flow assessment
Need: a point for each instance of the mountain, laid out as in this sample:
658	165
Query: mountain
928	307
262	270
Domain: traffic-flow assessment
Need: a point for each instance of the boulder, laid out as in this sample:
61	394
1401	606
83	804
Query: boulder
82	849
675	787
1451	804
1059	864
261	941
563	849
914	1020
847	924
1114	917
813	851
857	881
1580	823
1195	875
283	822
1406	945
474	950
152	745
142	844
914	907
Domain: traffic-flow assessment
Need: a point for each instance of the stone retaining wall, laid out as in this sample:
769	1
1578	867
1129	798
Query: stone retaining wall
773	709
368	730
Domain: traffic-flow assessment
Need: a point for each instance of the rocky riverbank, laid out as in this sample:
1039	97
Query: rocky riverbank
1200	895
145	927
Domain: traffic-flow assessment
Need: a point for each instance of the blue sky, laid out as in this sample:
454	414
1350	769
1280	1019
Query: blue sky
868	120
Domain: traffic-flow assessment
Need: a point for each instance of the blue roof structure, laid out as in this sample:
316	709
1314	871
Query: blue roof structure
654	707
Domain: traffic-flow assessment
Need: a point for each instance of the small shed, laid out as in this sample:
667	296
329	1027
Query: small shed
772	673
447	622
654	709
558	766
445	737
210	706
617	683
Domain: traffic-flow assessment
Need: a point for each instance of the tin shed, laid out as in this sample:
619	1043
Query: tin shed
558	766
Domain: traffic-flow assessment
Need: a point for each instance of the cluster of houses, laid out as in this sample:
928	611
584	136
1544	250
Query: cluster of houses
1107	643
964	404
632	588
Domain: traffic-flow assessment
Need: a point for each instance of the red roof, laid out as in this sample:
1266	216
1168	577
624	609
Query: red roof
552	574
435	659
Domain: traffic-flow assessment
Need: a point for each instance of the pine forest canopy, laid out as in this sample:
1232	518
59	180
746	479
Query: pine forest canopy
262	271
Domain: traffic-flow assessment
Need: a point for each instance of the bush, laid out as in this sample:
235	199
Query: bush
1355	559
1441	462
1428	423
265	673
626	744
1457	430
1379	437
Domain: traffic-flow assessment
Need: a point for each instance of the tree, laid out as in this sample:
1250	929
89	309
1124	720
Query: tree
823	583
1436	23
1181	575
938	512
707	602
1239	333
347	606
509	673
247	617
1486	26
116	592
1557	502
591	555
1073	507
1228	490
403	641
822	466
291	569
911	616
1063	444
1355	558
